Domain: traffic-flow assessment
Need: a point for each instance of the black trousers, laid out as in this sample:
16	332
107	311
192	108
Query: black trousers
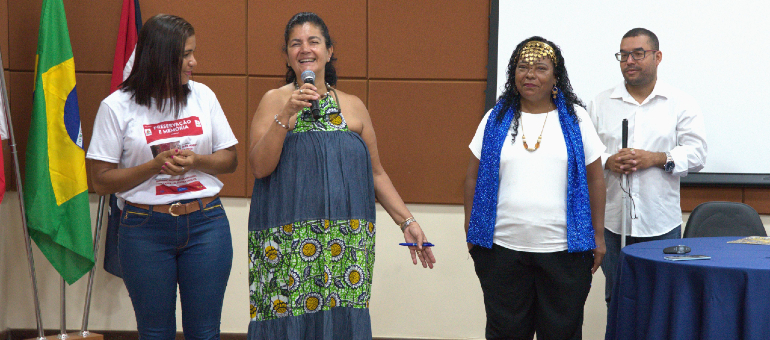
527	292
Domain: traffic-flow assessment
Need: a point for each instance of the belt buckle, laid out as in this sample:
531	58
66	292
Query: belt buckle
177	204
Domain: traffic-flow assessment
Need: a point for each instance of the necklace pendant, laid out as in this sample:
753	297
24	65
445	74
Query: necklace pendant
539	138
524	142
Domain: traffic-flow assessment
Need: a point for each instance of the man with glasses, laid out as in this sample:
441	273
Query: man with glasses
666	140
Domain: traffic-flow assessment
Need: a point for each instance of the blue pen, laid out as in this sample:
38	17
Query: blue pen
425	244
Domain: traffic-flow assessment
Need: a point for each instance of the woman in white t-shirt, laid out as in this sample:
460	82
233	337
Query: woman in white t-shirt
535	207
158	144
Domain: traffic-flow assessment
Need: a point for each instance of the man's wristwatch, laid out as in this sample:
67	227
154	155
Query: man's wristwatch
669	166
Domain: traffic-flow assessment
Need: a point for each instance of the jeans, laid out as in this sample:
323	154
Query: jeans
610	261
158	251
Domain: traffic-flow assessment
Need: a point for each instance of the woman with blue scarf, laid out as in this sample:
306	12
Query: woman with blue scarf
534	208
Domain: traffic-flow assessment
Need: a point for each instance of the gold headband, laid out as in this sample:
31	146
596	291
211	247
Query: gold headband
534	50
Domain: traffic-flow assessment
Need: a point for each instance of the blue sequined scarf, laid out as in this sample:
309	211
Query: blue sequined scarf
580	233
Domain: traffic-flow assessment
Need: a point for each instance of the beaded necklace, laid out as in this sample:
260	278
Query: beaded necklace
524	138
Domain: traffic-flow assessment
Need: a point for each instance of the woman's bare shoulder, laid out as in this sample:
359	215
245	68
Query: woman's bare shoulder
350	100
280	93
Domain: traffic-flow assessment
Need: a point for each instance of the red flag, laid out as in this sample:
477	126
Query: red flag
2	173
128	31
3	135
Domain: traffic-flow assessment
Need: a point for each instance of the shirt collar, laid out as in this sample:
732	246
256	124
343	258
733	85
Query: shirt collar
620	92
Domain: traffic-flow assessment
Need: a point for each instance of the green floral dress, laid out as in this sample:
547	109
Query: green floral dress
311	235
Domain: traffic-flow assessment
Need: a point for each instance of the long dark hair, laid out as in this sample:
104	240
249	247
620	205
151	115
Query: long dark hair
157	71
330	74
510	96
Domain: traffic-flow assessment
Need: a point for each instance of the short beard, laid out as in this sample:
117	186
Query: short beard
644	79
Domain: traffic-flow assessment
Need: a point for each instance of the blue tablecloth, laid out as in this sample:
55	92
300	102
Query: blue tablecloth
726	297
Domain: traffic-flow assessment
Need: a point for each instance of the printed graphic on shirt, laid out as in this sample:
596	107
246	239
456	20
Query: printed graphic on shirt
169	189
190	126
158	148
176	129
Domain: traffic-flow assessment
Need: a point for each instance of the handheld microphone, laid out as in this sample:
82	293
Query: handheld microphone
308	76
625	133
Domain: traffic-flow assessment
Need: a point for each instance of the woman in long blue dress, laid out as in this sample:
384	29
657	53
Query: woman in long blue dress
312	218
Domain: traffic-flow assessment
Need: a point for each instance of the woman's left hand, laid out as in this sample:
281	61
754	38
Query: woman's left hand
183	161
413	234
599	252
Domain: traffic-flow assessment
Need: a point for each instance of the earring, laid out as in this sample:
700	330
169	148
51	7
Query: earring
554	92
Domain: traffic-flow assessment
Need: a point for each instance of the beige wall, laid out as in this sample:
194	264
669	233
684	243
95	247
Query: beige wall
407	301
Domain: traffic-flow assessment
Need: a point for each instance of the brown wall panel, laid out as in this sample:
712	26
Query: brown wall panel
20	101
345	19
357	88
4	32
93	27
92	24
423	143
220	31
231	93
692	196
23	24
433	39
758	198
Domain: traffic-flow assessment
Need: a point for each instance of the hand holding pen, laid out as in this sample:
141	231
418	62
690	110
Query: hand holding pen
414	236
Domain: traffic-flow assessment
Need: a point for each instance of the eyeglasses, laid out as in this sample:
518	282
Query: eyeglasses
637	55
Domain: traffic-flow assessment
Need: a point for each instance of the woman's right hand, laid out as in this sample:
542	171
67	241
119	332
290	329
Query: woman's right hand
299	100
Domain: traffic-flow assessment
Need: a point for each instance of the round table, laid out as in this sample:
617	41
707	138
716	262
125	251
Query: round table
726	297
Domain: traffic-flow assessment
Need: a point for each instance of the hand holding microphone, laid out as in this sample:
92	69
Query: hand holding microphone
308	76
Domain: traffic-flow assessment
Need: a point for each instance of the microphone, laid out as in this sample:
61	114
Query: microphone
308	76
625	133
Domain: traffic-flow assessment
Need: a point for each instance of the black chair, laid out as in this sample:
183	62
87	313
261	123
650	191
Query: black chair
713	219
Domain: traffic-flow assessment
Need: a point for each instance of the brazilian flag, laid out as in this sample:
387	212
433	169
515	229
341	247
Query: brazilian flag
56	191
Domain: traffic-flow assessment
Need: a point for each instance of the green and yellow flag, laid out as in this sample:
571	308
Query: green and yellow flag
56	191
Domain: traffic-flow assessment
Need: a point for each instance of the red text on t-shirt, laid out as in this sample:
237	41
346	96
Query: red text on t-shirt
190	126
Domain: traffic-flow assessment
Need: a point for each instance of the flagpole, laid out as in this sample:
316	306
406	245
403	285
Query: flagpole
28	242
63	332
100	213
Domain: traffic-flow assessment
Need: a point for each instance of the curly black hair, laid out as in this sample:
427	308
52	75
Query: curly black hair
510	96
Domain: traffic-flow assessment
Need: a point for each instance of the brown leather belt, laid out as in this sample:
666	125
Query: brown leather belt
177	209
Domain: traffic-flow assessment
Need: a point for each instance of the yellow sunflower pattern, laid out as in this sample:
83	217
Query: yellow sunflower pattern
309	266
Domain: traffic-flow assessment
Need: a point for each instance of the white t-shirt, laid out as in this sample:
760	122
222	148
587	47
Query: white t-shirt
531	202
124	132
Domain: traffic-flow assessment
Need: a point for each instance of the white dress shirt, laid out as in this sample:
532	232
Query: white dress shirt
667	120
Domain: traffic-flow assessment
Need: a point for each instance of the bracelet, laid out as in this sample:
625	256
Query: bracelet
279	122
406	223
